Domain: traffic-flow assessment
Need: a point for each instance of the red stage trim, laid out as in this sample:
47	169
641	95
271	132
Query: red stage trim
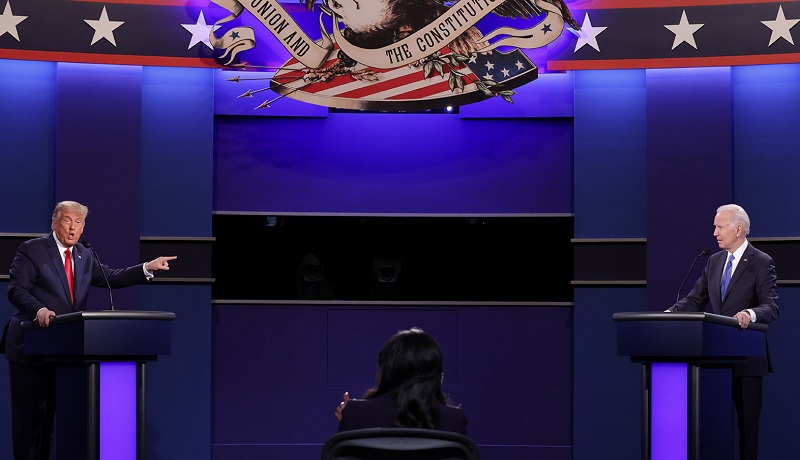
159	61
151	2
581	5
716	61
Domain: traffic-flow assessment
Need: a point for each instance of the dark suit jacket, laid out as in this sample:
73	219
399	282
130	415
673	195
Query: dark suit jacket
38	280
753	285
381	412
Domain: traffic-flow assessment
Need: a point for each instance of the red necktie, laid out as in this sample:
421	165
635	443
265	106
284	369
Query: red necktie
68	269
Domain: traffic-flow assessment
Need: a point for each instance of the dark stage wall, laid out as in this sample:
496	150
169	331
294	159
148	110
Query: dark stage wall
651	155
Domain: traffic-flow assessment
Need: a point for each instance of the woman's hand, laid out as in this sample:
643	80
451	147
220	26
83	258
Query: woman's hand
338	412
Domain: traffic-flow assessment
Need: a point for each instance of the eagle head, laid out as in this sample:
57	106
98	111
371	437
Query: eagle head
365	16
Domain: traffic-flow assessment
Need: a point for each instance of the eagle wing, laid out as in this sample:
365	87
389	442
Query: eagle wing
527	9
524	9
518	9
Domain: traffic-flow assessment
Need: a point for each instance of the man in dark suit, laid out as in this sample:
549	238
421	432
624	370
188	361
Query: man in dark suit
51	276
739	281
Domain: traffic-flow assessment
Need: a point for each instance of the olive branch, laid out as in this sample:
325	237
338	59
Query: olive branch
437	62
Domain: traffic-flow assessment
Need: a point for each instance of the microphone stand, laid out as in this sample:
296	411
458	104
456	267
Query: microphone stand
704	252
94	253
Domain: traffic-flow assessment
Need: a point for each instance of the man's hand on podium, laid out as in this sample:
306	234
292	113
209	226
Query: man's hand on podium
43	316
744	318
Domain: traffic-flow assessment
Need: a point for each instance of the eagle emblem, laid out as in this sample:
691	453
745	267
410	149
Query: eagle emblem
402	55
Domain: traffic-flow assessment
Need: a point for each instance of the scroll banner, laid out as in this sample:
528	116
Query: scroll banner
457	20
278	21
423	43
534	37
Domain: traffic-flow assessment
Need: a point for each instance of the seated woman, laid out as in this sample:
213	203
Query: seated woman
408	391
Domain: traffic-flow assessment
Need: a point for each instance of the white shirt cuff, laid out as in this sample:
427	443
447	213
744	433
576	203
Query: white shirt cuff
147	274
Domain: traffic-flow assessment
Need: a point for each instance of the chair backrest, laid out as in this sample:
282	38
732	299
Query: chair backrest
399	444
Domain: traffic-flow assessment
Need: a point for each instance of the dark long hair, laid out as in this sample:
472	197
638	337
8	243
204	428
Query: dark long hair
410	369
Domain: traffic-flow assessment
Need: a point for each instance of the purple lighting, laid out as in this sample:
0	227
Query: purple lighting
669	411
117	411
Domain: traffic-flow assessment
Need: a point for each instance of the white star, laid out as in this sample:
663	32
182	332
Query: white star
684	32
103	28
488	76
9	22
200	31
505	72
588	34
489	65
781	27
519	65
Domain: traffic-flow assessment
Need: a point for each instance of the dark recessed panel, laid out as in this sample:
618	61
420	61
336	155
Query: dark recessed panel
393	258
612	261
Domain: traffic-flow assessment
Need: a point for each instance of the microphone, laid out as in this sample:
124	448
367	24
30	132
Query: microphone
704	252
110	295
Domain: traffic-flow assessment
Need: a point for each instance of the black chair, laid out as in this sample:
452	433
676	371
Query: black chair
399	444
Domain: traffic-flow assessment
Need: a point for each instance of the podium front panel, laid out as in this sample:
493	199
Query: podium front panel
686	358
100	358
114	334
652	336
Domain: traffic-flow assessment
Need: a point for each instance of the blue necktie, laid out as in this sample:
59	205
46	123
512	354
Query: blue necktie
726	276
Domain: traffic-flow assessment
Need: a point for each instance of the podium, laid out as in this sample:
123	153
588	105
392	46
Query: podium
687	361
100	359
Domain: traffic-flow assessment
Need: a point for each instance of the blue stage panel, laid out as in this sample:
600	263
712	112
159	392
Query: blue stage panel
177	151
27	109
610	154
766	103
